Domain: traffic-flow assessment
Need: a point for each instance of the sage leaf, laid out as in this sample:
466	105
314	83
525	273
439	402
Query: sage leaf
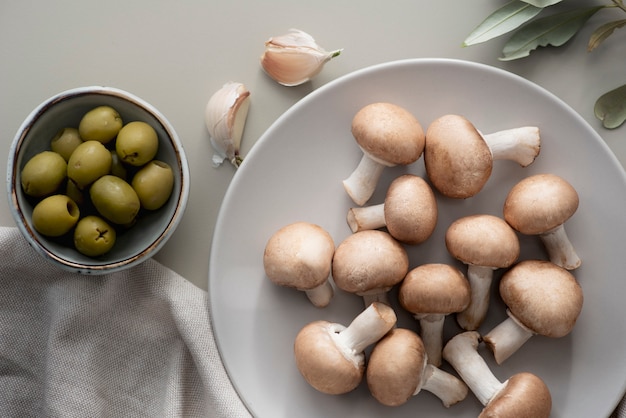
610	108
542	3
554	30
603	32
505	19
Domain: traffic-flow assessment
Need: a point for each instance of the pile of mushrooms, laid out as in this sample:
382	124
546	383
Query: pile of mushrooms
373	259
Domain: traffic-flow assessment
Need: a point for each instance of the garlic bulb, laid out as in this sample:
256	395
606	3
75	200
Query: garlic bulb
225	117
294	58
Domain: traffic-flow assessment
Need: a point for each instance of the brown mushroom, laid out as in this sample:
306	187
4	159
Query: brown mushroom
369	264
485	243
388	135
409	212
430	292
330	356
398	369
523	395
299	255
459	159
542	298
540	205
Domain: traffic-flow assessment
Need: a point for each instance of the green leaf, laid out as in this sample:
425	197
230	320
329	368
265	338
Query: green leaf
507	18
603	32
553	30
542	3
610	108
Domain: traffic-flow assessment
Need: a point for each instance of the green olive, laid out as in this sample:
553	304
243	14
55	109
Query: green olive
115	199
137	143
154	184
117	166
74	193
43	174
89	161
93	236
65	142
100	124
55	215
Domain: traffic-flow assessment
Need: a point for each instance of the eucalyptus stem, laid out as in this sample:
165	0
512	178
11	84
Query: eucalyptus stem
620	4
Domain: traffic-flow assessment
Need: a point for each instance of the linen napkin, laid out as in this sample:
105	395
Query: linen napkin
136	343
620	411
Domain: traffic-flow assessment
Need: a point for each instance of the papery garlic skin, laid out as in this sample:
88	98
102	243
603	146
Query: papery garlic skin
225	117
294	58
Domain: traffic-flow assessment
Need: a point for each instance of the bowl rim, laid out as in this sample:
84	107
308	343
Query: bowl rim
16	210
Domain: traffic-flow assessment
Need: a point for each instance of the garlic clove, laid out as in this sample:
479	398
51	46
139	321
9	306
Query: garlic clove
294	58
225	117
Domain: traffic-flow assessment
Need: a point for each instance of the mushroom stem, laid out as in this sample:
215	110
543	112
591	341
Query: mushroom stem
367	328
461	352
361	183
321	295
431	332
376	295
480	279
506	338
560	249
521	145
443	385
365	218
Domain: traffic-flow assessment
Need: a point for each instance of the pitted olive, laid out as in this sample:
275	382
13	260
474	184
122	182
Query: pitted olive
93	236
74	193
55	215
100	124
117	167
65	142
115	199
89	161
43	174
154	184
137	143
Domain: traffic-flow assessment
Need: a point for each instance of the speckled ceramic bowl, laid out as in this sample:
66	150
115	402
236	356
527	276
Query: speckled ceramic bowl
153	228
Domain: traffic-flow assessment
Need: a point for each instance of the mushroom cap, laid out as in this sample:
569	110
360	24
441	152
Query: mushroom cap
369	260
395	367
299	255
524	395
483	240
434	289
544	297
388	133
322	363
458	161
410	209
540	203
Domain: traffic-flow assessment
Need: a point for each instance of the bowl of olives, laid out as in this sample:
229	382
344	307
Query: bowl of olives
97	179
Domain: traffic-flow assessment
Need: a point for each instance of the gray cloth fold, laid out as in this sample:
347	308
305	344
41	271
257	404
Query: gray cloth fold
136	343
620	411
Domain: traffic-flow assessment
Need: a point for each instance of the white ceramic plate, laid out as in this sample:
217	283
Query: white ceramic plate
294	173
